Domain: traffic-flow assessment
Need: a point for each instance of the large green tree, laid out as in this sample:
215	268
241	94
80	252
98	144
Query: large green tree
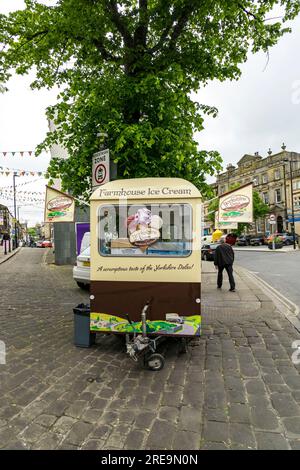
127	68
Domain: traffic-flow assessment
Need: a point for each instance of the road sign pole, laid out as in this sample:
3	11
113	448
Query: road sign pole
272	221
15	210
292	201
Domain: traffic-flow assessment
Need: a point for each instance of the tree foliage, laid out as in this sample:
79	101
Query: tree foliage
127	68
32	232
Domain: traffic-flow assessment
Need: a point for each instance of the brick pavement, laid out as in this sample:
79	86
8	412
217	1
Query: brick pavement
236	388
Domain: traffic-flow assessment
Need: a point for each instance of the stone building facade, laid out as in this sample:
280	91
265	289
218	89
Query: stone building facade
4	219
271	177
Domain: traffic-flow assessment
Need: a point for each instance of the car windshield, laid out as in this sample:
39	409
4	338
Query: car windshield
86	252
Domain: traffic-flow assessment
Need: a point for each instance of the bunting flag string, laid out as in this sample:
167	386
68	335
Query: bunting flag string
22	184
21	153
11	171
27	205
25	193
22	199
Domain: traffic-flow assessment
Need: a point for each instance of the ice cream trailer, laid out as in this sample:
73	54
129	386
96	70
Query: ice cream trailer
146	261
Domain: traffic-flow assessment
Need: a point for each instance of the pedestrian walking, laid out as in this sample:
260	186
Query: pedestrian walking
224	258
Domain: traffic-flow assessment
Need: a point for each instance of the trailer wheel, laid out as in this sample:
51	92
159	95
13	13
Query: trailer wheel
155	362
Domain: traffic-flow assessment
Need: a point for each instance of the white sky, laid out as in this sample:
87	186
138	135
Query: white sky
23	126
258	112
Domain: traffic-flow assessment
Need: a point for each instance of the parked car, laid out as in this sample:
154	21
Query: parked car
206	239
81	272
85	242
39	244
46	244
243	240
288	238
257	240
267	234
208	251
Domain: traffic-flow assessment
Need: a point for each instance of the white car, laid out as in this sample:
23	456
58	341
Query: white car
85	242
206	240
81	272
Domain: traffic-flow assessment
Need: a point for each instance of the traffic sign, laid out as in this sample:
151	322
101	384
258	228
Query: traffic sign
100	168
100	173
272	218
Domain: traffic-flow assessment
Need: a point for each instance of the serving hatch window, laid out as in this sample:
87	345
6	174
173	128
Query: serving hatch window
145	230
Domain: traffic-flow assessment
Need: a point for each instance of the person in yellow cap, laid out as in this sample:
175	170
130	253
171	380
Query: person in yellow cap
217	234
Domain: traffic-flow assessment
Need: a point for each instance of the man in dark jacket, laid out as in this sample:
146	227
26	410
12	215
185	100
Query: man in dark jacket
224	258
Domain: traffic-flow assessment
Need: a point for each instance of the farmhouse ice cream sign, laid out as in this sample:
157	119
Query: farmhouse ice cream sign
237	206
59	207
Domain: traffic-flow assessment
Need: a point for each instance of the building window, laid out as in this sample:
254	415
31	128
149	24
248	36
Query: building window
222	190
255	181
277	195
265	198
297	202
277	174
296	185
265	179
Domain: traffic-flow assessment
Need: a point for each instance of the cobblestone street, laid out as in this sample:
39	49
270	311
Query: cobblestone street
236	388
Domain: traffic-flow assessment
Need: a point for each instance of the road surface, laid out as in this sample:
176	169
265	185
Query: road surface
280	270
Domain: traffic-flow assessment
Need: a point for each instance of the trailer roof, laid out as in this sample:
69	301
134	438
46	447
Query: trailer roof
146	188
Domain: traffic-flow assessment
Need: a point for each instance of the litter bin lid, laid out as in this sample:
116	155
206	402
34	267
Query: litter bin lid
83	310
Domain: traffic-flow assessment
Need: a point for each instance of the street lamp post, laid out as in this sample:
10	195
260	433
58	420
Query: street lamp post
285	199
15	209
293	211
